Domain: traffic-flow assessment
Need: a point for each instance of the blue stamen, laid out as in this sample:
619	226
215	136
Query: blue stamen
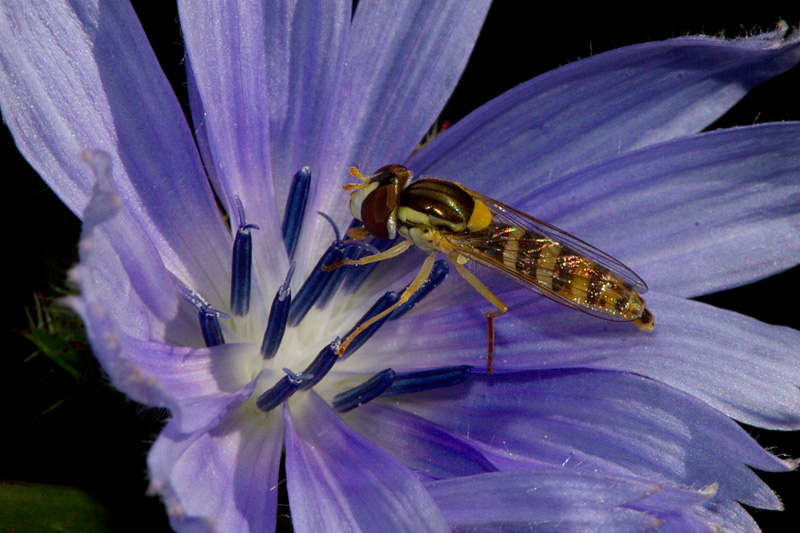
241	264
278	394
336	275
278	316
356	276
317	284
369	390
351	250
320	366
314	285
291	382
210	328
208	316
427	380
325	284
437	275
384	302
295	209
335	279
297	378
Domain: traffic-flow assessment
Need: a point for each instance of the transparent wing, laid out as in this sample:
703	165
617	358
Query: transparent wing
547	260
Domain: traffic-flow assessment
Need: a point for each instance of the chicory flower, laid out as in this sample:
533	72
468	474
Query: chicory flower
583	424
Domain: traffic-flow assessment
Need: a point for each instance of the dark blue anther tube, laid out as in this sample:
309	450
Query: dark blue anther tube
356	276
314	285
384	302
278	316
241	264
320	366
428	379
210	328
278	394
295	209
369	390
437	275
208	316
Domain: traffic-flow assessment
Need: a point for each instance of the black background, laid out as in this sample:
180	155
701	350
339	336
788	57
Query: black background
98	440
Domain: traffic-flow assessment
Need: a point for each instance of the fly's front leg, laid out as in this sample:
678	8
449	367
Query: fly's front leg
413	287
501	308
357	234
394	251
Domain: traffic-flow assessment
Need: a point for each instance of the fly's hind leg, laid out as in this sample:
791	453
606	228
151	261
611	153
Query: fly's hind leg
501	308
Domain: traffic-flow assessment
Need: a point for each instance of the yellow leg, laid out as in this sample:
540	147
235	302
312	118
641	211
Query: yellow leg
489	295
422	276
394	251
357	234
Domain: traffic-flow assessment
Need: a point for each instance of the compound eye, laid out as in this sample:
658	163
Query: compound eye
393	169
377	209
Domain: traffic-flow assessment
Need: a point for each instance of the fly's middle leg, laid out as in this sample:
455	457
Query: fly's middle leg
413	287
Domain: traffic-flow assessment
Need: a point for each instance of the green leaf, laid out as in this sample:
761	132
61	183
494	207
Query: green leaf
56	331
32	507
58	350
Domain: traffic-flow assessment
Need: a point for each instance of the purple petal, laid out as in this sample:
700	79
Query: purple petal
225	479
199	386
79	77
601	106
128	299
339	481
645	428
243	57
739	365
692	216
402	63
743	367
550	501
680	510
425	448
121	272
733	516
442	451
306	47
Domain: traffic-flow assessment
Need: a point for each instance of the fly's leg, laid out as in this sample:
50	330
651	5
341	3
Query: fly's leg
394	251
422	276
501	308
490	316
357	234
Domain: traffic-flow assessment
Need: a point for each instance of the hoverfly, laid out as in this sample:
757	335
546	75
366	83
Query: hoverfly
444	216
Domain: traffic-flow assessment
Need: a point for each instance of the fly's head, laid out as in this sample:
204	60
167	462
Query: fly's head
375	201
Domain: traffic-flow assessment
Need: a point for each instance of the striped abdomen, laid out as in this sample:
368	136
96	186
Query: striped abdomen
557	271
